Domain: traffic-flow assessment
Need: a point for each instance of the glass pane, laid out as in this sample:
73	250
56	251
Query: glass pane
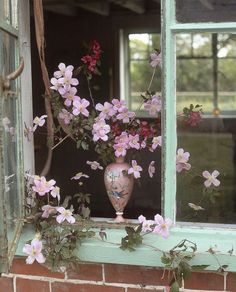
8	12
205	11
140	71
210	138
11	138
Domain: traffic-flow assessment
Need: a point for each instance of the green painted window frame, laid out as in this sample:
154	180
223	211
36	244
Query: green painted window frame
219	236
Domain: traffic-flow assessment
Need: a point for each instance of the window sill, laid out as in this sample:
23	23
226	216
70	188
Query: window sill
96	250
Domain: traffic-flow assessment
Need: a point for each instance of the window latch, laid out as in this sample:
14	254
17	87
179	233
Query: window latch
7	80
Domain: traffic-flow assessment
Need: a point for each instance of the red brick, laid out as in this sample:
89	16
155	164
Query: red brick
144	290
20	267
6	284
231	282
23	285
134	275
210	281
87	272
65	287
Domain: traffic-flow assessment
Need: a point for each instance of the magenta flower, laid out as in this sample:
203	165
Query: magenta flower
125	115
34	251
156	141
62	70
100	130
39	122
55	193
155	60
153	105
65	116
94	165
80	107
106	110
41	186
211	178
151	169
135	169
162	226
70	96
182	160
146	224
79	175
134	141
120	149
65	215
48	210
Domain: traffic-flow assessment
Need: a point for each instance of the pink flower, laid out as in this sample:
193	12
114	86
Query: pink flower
125	115
211	178
120	149
106	110
79	175
134	141
118	105
70	96
135	169
182	160
156	141
48	210
65	215
100	130
80	107
151	169
146	224
34	251
123	138
162	226
55	193
55	84
94	165
66	82
62	70
153	105
155	60
65	116
41	186
39	122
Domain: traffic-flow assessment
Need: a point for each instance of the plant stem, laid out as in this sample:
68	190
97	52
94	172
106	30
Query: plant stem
63	139
153	74
90	92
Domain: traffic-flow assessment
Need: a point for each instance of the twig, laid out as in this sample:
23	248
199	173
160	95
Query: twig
63	139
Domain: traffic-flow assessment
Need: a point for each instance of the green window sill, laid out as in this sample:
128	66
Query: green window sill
96	250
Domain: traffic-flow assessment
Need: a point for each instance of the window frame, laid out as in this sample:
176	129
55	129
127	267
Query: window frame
221	237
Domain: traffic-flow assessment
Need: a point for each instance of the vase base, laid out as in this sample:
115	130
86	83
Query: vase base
119	218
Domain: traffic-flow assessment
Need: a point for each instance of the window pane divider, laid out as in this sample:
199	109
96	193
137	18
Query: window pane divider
206	26
8	28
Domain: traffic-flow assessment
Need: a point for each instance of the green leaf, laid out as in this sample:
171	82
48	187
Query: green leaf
174	287
199	267
129	230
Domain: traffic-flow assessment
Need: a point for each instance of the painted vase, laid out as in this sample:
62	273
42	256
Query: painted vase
119	186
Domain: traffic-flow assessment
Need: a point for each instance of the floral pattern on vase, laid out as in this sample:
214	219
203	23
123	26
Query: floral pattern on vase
119	186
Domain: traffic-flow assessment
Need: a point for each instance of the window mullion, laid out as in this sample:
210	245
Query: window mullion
168	113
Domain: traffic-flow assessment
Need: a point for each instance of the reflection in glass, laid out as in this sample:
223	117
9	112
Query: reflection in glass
11	141
205	10
140	47
206	76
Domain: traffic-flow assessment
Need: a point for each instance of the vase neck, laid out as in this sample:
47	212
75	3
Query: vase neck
120	159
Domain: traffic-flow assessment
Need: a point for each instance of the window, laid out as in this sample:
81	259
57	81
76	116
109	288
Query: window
137	47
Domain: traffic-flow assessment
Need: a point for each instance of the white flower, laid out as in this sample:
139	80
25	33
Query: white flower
55	193
94	165
79	175
211	178
65	215
135	169
39	122
156	141
34	251
151	169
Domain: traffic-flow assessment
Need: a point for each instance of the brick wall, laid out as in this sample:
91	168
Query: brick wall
105	278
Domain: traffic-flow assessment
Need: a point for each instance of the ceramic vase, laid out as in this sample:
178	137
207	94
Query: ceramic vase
119	186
